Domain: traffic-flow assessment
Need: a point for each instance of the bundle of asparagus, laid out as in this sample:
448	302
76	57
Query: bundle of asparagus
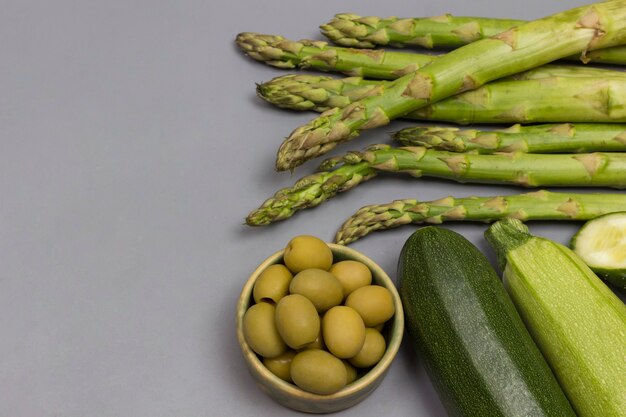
523	47
500	76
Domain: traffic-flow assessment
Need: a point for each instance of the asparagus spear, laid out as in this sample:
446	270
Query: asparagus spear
445	31
467	68
550	138
539	205
280	52
517	168
316	92
308	192
528	98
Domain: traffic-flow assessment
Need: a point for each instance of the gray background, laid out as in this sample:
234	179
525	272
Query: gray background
132	148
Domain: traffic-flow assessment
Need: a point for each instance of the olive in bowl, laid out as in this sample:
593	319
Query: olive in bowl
342	386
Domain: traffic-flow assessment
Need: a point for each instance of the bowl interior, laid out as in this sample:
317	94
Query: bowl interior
289	394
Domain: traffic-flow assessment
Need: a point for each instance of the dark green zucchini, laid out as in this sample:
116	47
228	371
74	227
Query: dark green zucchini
473	343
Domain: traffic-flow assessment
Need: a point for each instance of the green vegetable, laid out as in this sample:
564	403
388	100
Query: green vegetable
261	332
543	95
528	170
467	68
352	275
272	284
319	286
280	52
374	304
343	331
310	191
318	372
304	252
445	31
601	243
351	370
373	349
551	138
318	343
284	53
475	348
538	205
297	320
606	169
281	365
578	322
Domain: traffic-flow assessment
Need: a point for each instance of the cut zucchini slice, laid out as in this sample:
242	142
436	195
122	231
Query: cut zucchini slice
601	243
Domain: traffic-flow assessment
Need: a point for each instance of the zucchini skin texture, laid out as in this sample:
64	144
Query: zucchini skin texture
476	350
576	320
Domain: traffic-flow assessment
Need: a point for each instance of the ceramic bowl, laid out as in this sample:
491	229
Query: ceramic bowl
289	394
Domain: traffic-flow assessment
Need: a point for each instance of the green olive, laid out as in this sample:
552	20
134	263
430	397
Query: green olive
379	327
272	284
373	349
344	331
297	320
373	302
281	365
319	286
304	252
351	275
351	371
260	331
318	343
318	371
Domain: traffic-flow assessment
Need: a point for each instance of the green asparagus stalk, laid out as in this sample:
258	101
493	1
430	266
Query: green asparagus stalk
308	192
528	98
316	92
538	205
517	168
549	100
518	49
280	52
550	138
445	31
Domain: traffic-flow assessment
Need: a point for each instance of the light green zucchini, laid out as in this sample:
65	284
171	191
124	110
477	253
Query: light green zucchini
576	320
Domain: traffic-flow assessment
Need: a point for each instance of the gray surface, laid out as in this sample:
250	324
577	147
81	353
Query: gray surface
132	147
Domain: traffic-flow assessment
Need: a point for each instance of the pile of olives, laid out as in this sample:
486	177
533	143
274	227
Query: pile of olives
314	322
